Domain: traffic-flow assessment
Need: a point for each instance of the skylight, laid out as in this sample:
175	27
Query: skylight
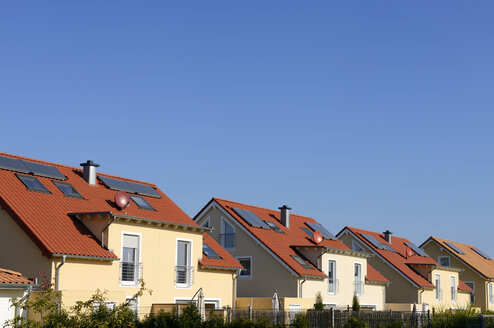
273	226
142	203
455	248
32	183
301	261
308	232
67	189
210	253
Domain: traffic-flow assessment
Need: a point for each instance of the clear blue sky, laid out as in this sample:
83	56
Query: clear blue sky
374	114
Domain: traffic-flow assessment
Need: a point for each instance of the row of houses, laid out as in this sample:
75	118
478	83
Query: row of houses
83	230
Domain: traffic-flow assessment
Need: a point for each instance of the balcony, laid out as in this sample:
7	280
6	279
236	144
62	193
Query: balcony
130	273
333	286
184	276
227	240
358	288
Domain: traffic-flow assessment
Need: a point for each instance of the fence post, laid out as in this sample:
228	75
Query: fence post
331	314
482	321
228	314
250	313
429	318
178	310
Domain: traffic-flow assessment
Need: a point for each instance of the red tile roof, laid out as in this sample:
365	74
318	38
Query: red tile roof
463	287
484	266
397	259
225	262
44	216
281	244
374	276
12	277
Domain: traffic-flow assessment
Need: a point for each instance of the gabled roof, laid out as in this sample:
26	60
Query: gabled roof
397	259
226	260
281	244
44	217
477	262
374	276
13	278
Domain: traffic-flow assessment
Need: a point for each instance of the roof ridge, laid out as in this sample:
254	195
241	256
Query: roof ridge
14	273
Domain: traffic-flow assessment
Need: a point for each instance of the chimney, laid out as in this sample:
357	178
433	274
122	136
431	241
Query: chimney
387	236
285	215
89	172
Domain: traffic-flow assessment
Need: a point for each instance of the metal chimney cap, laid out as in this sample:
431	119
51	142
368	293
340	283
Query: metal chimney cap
387	232
284	207
90	163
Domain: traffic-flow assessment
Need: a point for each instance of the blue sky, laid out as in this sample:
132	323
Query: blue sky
374	114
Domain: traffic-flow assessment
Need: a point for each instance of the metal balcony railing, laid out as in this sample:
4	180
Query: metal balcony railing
358	288
184	275
439	295
130	272
333	286
453	294
227	240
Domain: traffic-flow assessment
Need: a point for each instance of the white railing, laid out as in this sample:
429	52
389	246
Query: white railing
358	288
184	275
333	286
227	240
130	272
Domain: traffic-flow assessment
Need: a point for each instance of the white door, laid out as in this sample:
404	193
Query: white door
293	310
4	310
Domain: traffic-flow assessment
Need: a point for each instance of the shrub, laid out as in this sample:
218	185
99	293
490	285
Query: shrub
301	321
355	303
355	323
319	305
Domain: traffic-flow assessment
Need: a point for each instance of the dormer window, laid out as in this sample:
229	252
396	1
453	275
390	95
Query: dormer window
32	183
67	189
142	203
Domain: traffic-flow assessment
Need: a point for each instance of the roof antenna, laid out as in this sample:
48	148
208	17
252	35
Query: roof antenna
122	200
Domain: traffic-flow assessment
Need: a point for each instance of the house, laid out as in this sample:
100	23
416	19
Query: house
477	266
415	277
87	230
292	255
13	287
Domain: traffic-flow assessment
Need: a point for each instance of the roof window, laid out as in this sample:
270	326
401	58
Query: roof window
210	253
273	226
308	232
142	203
301	261
67	189
32	183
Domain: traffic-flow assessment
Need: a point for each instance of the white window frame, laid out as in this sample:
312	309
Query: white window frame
207	222
439	295
473	291
136	282
360	281
490	293
335	278
356	245
444	257
223	222
186	285
453	289
238	258
215	301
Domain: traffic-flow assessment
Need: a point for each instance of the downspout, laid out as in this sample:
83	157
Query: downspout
103	231
420	296
235	277
305	278
58	271
22	300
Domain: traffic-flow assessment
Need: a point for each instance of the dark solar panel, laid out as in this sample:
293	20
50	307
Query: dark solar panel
116	184
43	170
324	232
144	190
455	248
377	244
417	250
301	261
251	218
67	189
13	164
481	253
142	203
308	232
32	183
210	253
273	226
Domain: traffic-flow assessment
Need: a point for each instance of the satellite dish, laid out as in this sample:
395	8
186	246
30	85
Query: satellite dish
317	237
122	199
410	252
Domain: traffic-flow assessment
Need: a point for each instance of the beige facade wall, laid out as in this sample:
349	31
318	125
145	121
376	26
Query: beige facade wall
80	278
21	253
6	295
467	275
446	300
263	264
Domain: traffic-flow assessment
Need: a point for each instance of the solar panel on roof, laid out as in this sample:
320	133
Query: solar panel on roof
144	189
324	232
308	232
481	253
416	249
251	218
13	164
454	247
44	170
116	184
377	244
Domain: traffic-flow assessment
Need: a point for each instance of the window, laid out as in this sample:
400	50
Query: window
443	261
332	277
471	284
206	223
356	247
491	294
67	189
133	304
438	288
183	275
302	262
227	236
109	305
246	262
130	265
142	203
273	226
453	289
32	183
357	279
308	232
210	253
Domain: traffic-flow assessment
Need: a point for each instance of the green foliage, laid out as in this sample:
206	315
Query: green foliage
301	321
396	324
355	303
460	318
162	319
319	305
355	323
